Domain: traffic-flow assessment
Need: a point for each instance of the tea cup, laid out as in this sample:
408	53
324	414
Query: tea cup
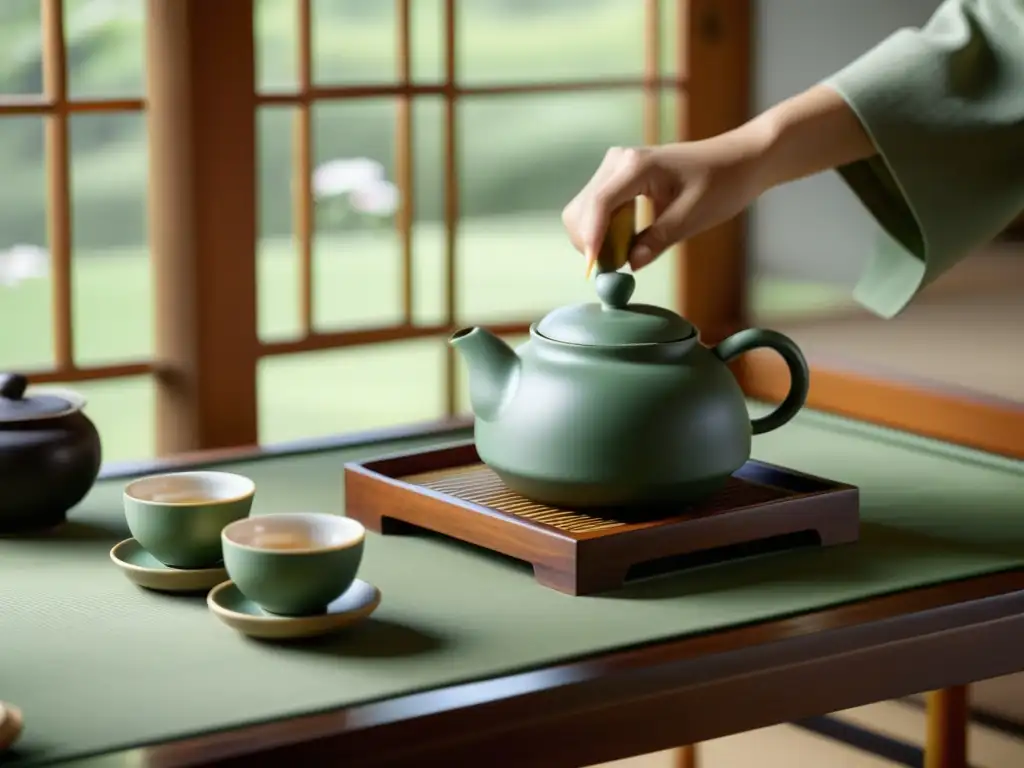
293	563
178	517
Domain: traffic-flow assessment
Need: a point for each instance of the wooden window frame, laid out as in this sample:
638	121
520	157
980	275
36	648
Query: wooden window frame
203	218
56	109
201	106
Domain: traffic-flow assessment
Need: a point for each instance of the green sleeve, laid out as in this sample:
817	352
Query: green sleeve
944	106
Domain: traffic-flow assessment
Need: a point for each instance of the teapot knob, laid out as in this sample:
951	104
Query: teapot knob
12	386
615	289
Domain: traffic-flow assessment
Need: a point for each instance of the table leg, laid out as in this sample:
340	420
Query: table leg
685	757
946	745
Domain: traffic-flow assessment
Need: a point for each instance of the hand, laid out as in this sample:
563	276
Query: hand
692	186
695	185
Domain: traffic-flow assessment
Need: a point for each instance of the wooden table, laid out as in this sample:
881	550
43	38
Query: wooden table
643	700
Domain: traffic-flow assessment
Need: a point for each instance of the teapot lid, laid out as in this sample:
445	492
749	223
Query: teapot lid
19	403
614	322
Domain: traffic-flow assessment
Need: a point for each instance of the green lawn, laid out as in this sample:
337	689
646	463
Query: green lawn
512	267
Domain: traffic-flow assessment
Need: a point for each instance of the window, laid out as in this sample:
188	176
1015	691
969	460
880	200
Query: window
411	159
75	288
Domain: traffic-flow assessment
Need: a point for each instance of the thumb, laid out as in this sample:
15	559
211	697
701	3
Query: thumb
668	229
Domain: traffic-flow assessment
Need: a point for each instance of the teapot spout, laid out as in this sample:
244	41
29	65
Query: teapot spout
493	369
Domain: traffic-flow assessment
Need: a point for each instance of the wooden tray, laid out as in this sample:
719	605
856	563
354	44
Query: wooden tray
450	492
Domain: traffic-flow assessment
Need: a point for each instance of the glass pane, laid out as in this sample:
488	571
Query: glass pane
350	390
535	40
426	21
105	48
522	158
276	45
463	405
25	304
21	40
357	280
124	412
428	211
669	117
112	285
669	37
354	41
277	278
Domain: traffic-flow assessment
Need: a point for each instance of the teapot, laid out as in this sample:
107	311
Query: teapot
614	404
50	454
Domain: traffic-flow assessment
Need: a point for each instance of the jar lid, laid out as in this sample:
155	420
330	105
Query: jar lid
20	403
614	322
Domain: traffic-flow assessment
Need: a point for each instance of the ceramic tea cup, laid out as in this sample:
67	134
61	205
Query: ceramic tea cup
295	563
178	517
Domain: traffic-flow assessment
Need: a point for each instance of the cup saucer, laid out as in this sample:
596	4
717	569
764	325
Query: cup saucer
146	571
233	608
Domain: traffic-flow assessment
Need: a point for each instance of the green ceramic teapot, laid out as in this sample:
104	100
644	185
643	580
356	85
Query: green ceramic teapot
614	404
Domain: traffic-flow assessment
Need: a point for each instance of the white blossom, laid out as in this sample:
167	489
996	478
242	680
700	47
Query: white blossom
23	262
343	176
377	199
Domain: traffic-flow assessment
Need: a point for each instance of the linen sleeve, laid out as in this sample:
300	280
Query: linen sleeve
944	106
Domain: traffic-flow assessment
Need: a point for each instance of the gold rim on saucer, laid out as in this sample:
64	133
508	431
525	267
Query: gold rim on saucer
228	604
148	572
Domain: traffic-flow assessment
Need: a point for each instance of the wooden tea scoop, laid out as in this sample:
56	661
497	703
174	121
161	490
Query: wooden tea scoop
617	240
10	725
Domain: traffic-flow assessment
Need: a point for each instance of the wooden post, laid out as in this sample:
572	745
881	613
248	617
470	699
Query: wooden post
685	757
451	199
202	220
714	36
948	715
58	182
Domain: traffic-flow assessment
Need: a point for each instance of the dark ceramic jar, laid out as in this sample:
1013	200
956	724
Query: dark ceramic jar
49	454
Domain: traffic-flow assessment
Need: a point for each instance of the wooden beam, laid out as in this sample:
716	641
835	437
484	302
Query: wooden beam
380	90
714	60
919	407
948	716
451	199
58	181
304	211
404	162
202	220
685	757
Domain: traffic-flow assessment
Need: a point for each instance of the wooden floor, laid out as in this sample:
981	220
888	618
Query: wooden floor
966	331
787	746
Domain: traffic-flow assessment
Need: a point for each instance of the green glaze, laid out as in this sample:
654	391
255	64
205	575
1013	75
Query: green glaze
136	555
356	598
293	582
600	324
617	404
183	535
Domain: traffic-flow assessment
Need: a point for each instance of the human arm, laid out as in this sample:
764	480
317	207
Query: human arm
944	109
697	184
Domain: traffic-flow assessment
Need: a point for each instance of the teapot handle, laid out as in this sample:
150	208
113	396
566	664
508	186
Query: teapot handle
799	375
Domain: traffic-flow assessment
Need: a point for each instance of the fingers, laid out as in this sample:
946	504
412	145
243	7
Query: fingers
619	179
675	223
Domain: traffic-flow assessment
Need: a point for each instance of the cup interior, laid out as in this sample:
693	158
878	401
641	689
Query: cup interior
295	532
190	488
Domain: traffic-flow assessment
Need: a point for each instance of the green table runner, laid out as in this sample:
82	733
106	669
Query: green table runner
98	664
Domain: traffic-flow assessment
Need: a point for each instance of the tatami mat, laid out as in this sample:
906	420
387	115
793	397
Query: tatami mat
787	746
